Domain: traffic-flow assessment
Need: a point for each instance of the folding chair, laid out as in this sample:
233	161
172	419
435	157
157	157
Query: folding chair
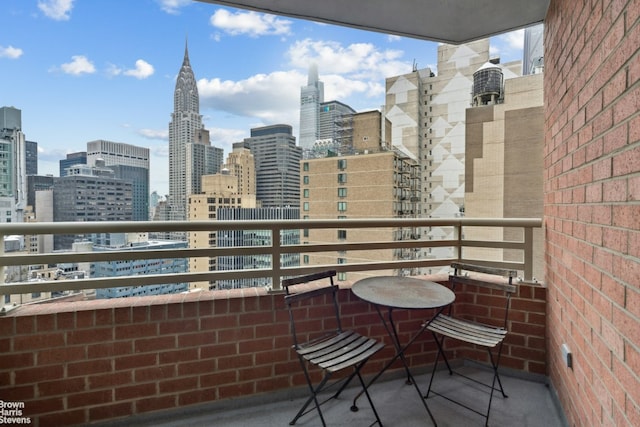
328	347
486	336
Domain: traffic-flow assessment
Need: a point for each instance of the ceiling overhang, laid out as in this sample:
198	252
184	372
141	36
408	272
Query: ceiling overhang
447	21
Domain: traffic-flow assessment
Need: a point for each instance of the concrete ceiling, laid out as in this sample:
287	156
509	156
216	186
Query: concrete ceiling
447	21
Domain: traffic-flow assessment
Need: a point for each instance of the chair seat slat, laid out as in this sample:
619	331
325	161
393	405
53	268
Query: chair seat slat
466	331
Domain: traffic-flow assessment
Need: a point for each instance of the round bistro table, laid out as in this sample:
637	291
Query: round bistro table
405	293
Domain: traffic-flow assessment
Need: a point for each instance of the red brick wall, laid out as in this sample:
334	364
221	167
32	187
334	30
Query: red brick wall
592	207
75	363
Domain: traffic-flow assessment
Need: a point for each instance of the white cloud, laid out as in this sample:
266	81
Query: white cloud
224	138
51	155
272	98
142	71
59	10
154	134
357	69
10	52
252	24
361	60
508	46
79	65
514	39
173	6
354	74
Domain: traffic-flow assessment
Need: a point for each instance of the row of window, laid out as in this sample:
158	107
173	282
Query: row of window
342	206
342	179
342	192
342	165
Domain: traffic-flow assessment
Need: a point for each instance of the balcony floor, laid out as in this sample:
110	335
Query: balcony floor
530	403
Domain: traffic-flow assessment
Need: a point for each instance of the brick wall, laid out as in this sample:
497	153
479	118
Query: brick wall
524	348
75	363
592	207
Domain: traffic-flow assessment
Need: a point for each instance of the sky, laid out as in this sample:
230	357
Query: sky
82	70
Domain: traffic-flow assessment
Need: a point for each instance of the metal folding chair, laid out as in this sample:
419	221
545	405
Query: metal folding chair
490	337
328	347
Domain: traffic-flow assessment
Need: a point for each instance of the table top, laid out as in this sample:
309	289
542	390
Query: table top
403	292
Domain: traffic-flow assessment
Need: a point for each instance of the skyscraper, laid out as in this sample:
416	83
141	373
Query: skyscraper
31	157
241	164
277	160
13	176
533	50
130	163
90	193
190	152
311	96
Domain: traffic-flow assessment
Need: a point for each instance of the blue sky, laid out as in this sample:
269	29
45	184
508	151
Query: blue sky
82	70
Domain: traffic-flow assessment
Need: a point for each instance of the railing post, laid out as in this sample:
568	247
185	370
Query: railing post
276	257
528	253
2	268
457	235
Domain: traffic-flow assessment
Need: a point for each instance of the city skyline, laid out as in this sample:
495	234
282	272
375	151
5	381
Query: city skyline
81	72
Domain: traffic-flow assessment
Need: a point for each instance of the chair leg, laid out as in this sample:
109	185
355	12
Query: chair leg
440	343
496	377
344	385
313	397
495	369
364	387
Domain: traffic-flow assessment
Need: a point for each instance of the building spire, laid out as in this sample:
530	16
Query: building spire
186	51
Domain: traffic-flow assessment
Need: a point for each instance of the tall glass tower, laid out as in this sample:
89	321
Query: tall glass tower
533	50
311	96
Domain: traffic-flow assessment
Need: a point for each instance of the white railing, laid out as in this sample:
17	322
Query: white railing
275	250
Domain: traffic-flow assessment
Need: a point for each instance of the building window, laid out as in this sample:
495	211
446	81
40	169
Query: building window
305	259
305	166
342	206
305	179
342	178
342	164
306	206
342	192
342	234
305	232
305	193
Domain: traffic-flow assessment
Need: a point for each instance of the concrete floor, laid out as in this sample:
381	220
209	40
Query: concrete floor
530	404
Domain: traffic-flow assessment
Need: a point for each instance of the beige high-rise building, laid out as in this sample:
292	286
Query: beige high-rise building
241	164
504	164
219	190
427	113
372	182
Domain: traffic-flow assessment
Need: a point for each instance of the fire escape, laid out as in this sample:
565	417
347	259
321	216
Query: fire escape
408	206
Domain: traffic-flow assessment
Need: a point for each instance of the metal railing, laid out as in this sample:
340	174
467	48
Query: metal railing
458	245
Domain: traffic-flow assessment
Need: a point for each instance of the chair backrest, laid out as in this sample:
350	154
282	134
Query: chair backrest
300	303
495	280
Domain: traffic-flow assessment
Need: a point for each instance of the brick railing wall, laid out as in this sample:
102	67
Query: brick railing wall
82	362
592	207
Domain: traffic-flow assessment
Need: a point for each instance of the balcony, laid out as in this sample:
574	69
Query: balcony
198	353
